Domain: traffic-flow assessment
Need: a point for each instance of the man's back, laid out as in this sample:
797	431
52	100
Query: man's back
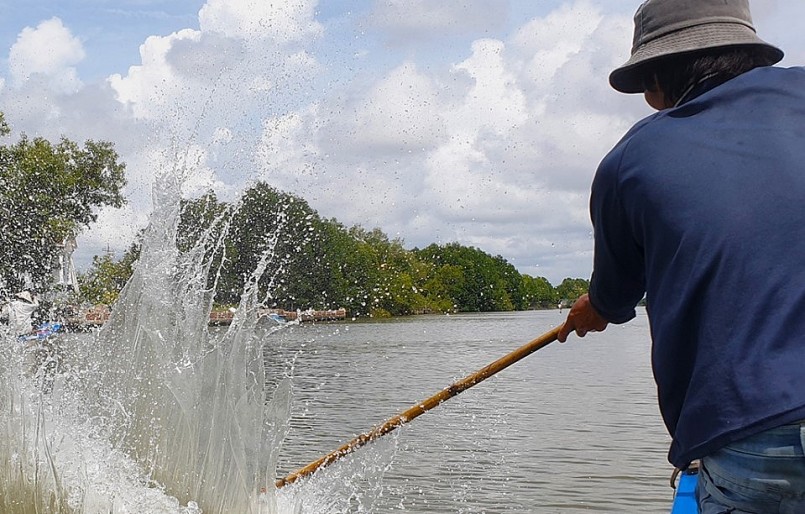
711	193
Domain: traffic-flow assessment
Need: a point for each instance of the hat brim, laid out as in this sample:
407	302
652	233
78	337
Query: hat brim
25	295
628	78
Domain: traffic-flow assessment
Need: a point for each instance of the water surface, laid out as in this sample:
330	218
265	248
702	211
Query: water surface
572	428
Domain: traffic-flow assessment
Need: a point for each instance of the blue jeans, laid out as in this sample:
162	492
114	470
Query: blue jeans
762	474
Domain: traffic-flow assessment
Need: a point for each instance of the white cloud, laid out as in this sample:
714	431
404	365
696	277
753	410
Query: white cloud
400	112
496	150
286	149
153	84
205	93
244	52
546	44
288	21
50	50
411	22
491	140
773	21
198	177
114	232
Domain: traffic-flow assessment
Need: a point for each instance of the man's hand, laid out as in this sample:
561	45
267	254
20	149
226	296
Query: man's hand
582	318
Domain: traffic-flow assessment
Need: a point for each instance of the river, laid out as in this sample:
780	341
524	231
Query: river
572	428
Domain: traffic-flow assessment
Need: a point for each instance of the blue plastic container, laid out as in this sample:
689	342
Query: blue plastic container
685	497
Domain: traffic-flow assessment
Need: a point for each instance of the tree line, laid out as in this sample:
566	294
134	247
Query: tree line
319	263
50	192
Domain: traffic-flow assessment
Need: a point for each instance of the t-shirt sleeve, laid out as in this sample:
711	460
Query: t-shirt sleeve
618	279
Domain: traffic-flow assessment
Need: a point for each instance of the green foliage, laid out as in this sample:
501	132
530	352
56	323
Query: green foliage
102	283
571	288
199	216
315	263
49	192
397	274
538	293
285	227
318	263
474	280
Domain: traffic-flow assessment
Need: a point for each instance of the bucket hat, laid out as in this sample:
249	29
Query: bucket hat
25	295
671	27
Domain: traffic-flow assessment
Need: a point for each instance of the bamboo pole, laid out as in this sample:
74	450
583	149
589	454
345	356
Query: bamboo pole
422	407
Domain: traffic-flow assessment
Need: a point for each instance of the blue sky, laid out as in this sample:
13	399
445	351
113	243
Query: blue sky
111	31
475	121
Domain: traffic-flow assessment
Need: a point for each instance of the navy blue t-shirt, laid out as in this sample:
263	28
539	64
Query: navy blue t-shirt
702	208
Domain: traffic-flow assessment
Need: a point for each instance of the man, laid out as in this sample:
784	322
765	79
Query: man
701	208
20	311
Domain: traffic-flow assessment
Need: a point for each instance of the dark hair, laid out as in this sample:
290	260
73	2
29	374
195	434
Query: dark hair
676	75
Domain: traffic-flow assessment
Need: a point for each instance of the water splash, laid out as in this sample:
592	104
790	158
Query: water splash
155	413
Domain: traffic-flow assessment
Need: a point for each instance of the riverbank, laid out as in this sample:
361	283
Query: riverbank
225	317
96	316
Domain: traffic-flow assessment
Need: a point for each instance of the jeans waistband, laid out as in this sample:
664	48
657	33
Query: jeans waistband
788	439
